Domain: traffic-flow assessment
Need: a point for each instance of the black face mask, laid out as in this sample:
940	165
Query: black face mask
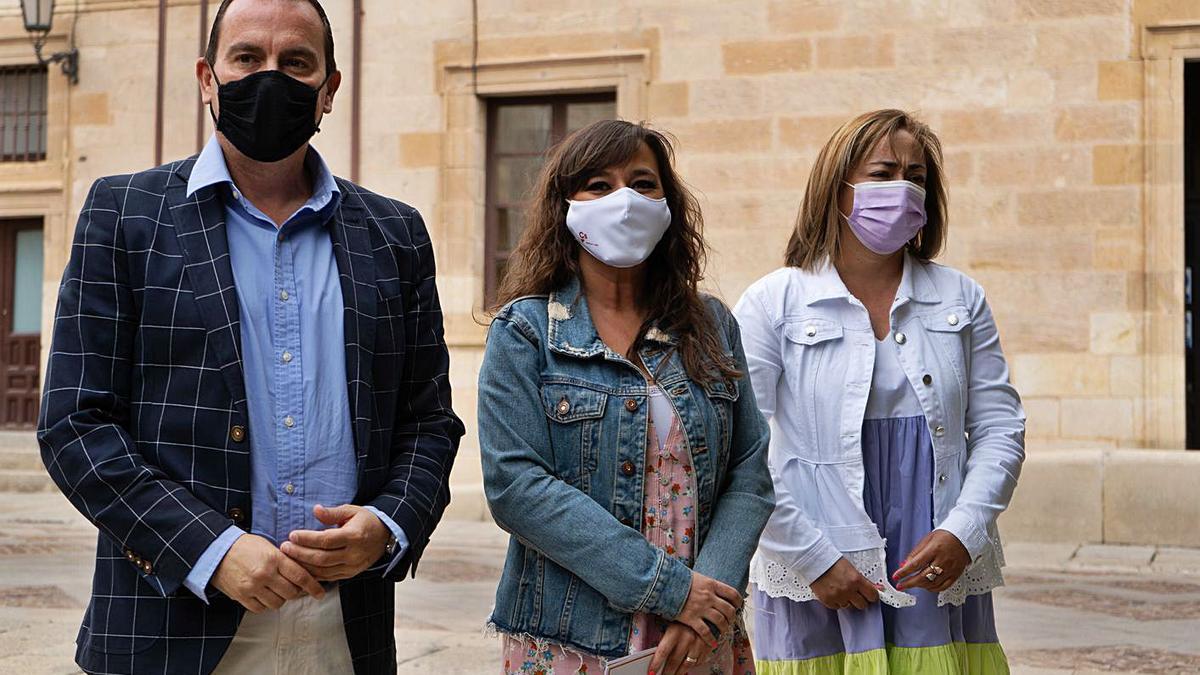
267	115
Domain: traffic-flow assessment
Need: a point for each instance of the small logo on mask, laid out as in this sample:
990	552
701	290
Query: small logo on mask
583	239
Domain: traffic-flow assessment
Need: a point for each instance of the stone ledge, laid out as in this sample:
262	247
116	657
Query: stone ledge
1132	497
1065	497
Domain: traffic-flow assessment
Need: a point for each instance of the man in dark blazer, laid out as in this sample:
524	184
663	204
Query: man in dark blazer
247	389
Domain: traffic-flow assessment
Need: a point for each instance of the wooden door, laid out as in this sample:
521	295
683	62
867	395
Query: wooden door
20	322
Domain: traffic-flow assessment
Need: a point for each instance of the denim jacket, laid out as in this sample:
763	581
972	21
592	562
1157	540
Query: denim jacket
811	354
563	432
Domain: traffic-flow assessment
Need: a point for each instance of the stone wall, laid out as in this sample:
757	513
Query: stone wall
1059	206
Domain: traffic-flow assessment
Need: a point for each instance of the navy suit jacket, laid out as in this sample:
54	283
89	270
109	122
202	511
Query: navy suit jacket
144	424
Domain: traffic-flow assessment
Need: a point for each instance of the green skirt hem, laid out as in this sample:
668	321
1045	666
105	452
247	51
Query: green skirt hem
956	658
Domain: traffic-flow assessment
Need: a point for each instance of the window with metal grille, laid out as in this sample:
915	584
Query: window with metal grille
520	131
22	113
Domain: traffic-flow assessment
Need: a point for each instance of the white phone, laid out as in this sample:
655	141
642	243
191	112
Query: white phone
637	663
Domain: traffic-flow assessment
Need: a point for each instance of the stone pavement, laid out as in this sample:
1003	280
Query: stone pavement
1065	610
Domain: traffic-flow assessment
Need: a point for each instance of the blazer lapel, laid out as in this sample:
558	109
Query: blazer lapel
356	268
200	227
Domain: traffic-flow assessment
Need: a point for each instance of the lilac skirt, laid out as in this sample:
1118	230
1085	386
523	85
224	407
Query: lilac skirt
792	636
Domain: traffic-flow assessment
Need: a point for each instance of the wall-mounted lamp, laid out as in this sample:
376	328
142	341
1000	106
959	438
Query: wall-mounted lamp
38	16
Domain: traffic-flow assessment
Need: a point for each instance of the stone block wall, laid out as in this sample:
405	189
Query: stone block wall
1042	107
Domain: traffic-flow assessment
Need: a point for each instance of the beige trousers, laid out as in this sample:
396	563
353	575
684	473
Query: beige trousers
304	637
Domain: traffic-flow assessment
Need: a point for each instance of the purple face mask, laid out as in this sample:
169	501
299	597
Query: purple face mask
887	215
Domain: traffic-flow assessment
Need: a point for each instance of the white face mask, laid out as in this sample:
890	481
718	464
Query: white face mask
619	229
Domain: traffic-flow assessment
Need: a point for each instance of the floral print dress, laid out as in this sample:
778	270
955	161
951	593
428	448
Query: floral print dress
669	522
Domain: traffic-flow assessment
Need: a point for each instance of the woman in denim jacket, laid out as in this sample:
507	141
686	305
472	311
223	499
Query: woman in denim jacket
897	436
622	448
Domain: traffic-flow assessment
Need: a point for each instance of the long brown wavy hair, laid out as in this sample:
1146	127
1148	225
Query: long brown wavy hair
547	255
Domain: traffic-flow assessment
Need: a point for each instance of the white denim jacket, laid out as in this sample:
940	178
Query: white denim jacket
810	350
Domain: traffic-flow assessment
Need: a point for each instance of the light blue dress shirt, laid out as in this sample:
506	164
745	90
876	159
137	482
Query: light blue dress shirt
293	360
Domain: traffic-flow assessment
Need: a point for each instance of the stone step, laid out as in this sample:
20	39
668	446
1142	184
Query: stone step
21	468
18	441
25	480
19	452
20	461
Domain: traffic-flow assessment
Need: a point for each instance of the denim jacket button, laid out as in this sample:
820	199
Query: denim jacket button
811	331
927	380
952	319
564	407
628	468
940	431
631	404
901	338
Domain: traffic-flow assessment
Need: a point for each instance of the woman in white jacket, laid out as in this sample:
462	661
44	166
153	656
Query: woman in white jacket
896	436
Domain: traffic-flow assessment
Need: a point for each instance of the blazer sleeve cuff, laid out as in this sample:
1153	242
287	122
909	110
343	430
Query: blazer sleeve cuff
197	580
397	532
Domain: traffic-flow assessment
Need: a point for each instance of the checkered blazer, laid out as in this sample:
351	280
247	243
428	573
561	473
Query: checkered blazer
144	425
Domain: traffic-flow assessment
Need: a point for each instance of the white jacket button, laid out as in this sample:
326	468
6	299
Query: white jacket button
810	331
952	319
901	338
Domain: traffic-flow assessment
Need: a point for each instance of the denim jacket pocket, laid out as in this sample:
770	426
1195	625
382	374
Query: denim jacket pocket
576	414
810	349
722	395
812	331
947	328
951	319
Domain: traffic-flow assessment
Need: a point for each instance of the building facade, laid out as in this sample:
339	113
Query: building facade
1069	158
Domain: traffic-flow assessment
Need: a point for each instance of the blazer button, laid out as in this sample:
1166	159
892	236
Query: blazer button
238	433
927	380
628	468
236	515
631	404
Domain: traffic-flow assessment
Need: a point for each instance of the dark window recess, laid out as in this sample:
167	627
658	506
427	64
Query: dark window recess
519	132
1191	246
23	113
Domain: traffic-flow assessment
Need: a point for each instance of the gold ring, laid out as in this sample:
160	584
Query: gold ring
689	659
935	569
931	576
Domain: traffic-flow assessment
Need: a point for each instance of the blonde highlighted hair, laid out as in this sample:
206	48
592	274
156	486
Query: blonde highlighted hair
817	235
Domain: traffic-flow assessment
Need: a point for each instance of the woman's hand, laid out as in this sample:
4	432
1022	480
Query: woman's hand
941	555
679	644
843	586
712	601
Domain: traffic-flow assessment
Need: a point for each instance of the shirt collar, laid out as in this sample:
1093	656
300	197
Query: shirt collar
210	169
